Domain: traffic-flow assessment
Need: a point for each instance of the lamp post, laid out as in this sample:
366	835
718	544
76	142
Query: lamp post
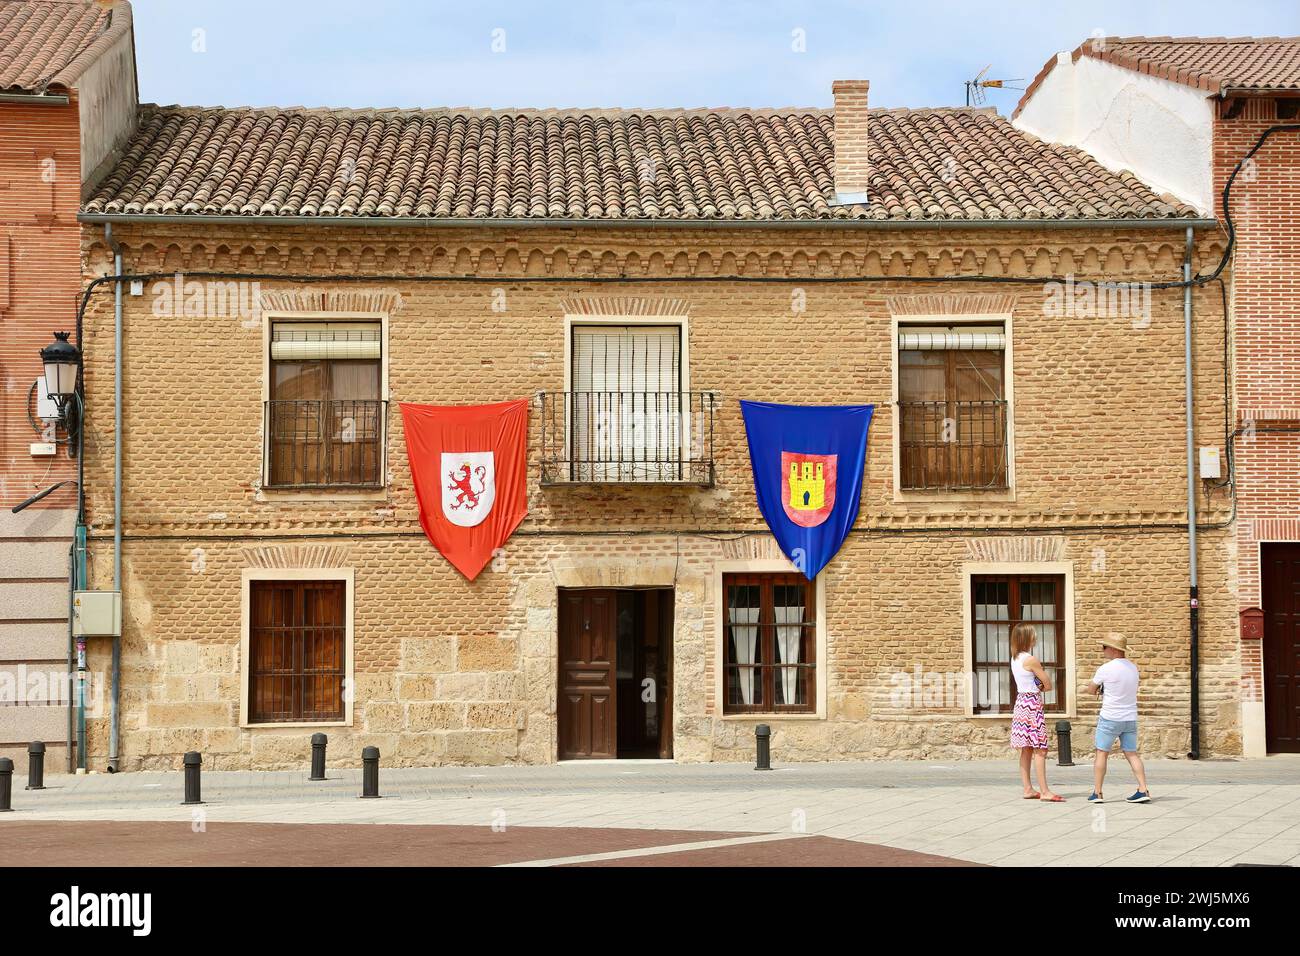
62	361
62	364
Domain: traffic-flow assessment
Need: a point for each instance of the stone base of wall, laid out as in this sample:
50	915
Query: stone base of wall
938	738
454	673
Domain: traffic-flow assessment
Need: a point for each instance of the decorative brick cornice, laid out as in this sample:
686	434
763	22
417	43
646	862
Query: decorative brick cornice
717	253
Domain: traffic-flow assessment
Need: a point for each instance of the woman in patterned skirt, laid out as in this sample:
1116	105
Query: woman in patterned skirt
1028	725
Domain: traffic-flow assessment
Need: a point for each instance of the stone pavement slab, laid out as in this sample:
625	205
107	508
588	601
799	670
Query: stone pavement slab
1204	813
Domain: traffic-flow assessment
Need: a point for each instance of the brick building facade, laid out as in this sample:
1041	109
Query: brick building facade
68	79
1202	107
779	295
1266	379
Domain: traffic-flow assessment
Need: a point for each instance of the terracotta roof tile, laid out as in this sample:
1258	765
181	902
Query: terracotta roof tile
46	43
1217	65
934	164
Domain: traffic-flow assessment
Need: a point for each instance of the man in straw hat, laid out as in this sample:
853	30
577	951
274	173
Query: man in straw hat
1117	683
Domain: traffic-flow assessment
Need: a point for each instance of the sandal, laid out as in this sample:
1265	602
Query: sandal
1054	798
1031	796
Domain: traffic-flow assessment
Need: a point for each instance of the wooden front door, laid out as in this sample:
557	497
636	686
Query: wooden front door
587	703
1280	577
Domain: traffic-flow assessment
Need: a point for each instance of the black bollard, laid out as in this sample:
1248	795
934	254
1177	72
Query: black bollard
36	765
763	746
6	784
1063	757
192	794
318	742
370	773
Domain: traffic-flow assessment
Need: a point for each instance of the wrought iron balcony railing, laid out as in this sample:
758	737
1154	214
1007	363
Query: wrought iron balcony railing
338	443
627	437
953	446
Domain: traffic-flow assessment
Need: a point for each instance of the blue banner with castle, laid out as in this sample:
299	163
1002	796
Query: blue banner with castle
808	462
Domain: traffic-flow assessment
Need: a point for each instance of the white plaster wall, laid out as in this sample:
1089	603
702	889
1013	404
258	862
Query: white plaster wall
1159	130
107	100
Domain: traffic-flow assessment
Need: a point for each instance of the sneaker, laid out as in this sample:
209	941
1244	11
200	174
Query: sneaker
1096	798
1140	797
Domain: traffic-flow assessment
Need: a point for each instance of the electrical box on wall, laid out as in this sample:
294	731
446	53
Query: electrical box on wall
1210	462
97	613
47	410
43	449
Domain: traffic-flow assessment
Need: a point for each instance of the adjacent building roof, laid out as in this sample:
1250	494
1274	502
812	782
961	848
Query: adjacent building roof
1218	65
45	43
601	165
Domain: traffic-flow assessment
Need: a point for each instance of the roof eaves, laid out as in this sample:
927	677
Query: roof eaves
1150	222
117	24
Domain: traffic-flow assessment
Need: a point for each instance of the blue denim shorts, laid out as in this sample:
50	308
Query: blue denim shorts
1126	731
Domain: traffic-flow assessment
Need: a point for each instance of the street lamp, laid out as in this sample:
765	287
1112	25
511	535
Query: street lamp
62	361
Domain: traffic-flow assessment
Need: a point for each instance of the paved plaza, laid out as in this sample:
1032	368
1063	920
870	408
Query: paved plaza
1209	813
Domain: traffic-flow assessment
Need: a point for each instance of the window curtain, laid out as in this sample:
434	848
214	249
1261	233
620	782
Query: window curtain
626	405
744	640
789	640
1038	607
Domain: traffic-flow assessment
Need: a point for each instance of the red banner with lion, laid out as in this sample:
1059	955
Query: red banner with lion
469	465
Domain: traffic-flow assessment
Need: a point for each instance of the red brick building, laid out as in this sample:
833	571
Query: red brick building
1190	115
67	103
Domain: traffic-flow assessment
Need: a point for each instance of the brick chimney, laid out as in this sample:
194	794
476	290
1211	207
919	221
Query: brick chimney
852	170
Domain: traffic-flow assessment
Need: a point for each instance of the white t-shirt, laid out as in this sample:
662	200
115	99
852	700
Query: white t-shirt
1119	684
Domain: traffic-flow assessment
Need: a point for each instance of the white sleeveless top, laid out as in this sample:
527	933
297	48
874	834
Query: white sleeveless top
1026	682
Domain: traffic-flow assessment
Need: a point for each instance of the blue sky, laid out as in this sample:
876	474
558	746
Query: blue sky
632	54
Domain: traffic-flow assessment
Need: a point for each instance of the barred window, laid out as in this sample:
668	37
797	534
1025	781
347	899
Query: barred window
770	644
297	653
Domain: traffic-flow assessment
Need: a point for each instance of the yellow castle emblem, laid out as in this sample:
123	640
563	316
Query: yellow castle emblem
807	486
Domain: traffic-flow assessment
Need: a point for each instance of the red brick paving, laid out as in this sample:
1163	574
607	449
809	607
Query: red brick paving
806	851
308	844
287	844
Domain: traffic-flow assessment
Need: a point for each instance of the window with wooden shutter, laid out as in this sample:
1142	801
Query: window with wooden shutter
952	408
297	656
325	418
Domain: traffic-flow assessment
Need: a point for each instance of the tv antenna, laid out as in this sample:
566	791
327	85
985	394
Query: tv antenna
975	88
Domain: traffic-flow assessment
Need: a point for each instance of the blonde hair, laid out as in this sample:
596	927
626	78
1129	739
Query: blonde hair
1023	637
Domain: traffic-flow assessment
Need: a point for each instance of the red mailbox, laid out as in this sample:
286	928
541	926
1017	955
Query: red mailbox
1252	624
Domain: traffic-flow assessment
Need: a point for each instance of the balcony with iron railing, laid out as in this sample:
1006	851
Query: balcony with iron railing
627	437
325	443
953	445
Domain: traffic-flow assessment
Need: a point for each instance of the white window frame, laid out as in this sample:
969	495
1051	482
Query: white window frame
269	318
901	495
1065	569
249	575
764	566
